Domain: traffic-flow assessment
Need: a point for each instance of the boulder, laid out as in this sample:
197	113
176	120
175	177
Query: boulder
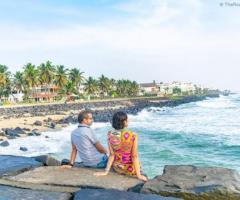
19	130
37	123
4	144
11	132
11	193
52	125
16	164
100	194
23	148
190	183
47	160
77	178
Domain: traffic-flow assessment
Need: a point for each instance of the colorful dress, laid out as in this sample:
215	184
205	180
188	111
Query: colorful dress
122	144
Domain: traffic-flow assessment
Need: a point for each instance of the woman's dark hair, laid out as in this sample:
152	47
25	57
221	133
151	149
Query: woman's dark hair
118	120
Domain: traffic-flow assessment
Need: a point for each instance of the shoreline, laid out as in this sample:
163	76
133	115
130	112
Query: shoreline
33	120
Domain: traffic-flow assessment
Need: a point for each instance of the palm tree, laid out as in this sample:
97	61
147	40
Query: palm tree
76	77
5	82
134	88
30	75
4	75
91	86
46	73
104	85
61	78
19	82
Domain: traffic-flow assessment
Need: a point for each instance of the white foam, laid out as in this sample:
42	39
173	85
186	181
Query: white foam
58	142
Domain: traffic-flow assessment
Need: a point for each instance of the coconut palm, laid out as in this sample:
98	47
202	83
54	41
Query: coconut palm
61	78
19	82
46	73
134	88
30	75
104	85
4	75
91	86
5	82
76	77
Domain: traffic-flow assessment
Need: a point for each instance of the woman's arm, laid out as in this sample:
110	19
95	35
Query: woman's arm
109	164
136	162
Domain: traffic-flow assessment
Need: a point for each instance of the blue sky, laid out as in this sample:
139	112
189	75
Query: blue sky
143	40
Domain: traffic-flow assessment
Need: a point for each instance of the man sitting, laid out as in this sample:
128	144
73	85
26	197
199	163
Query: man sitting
85	143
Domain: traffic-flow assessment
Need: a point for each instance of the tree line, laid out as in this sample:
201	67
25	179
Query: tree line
68	80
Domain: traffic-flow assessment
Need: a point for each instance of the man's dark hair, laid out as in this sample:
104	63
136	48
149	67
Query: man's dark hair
118	120
83	115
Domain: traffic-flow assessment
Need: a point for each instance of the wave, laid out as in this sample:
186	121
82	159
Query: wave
221	102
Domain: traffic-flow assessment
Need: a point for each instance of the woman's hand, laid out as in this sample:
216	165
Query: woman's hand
142	178
101	173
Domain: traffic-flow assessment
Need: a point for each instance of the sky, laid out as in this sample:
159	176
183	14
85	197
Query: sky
144	40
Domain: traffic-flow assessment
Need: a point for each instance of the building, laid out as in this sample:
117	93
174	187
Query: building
44	93
149	88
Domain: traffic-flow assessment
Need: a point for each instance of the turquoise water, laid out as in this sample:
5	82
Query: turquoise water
205	133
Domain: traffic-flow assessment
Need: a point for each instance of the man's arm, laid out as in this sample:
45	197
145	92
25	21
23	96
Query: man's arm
100	148
72	158
73	154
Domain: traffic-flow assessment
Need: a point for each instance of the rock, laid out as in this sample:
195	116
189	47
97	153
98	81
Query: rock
16	164
26	129
12	133
2	133
47	160
19	130
52	125
23	149
190	182
46	136
11	193
74	177
4	144
36	132
100	194
37	123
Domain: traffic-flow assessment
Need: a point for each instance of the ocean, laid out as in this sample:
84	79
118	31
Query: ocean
204	133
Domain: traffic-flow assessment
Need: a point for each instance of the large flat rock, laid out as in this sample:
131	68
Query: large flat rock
74	178
16	164
99	194
11	193
189	182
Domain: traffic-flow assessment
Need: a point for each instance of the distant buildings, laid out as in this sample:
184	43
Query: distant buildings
44	93
148	88
174	88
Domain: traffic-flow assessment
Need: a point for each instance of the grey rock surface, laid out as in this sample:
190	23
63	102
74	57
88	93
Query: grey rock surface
16	164
11	193
100	194
192	182
75	177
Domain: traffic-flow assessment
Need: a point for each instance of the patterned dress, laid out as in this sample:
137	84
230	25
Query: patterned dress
122	144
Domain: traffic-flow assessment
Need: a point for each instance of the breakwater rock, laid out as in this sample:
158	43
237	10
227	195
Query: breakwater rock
177	182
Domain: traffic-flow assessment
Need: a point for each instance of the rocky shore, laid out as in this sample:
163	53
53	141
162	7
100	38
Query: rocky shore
32	120
42	176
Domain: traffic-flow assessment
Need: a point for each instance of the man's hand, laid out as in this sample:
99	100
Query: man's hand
66	166
101	173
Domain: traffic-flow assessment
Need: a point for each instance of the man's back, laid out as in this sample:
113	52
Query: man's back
84	140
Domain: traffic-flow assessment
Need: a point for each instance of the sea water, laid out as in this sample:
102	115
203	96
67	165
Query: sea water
204	133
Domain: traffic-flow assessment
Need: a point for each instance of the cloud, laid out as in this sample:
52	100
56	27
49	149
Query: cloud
168	40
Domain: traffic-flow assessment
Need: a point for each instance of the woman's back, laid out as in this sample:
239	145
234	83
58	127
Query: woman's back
121	143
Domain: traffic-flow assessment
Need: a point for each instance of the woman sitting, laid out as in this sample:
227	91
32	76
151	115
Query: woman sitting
123	148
